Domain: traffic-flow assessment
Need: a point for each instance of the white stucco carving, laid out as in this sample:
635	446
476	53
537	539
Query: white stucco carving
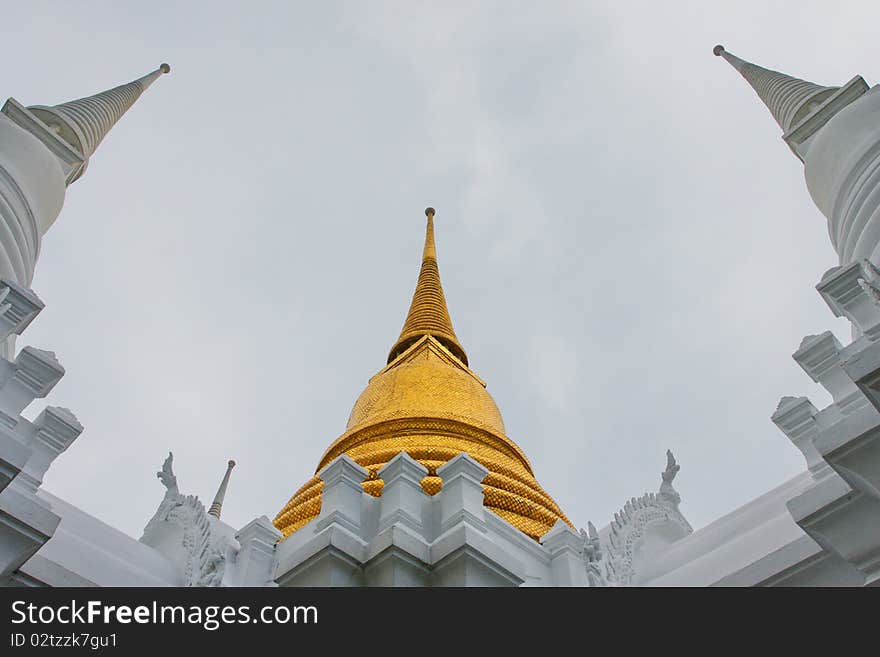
597	573
640	531
871	281
183	530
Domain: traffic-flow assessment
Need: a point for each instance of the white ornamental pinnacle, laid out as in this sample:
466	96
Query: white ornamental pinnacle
789	99
84	123
217	504
835	132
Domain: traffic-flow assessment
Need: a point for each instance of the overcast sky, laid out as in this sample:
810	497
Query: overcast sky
627	246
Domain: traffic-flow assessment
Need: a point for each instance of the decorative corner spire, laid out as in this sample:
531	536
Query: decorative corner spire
217	504
428	314
789	99
84	123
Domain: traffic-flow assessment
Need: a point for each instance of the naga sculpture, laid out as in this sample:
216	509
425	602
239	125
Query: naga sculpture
639	531
183	531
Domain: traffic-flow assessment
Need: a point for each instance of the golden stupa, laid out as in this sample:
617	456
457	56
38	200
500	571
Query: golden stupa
428	403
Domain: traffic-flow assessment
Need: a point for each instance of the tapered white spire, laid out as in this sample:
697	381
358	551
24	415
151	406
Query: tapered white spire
789	99
84	123
217	504
835	133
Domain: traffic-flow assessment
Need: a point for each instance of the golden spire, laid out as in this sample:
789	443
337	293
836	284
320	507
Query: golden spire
428	314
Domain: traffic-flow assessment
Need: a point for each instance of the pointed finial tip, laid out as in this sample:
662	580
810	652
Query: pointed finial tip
429	212
231	463
717	50
165	68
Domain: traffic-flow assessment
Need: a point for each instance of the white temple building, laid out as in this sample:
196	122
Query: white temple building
424	488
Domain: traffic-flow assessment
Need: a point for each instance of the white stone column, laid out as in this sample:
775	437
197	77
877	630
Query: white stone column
56	429
402	494
257	554
843	289
461	497
18	307
796	418
399	552
342	494
32	375
27	449
819	356
566	548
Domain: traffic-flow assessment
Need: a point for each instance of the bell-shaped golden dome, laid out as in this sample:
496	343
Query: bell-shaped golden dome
426	381
428	403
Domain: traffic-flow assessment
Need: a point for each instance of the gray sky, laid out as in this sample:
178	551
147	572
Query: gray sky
627	246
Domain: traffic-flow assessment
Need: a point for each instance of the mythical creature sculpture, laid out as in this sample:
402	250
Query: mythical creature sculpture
644	525
593	556
667	493
212	573
166	475
182	530
168	504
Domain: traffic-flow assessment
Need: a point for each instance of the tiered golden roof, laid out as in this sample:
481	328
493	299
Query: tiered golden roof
428	403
